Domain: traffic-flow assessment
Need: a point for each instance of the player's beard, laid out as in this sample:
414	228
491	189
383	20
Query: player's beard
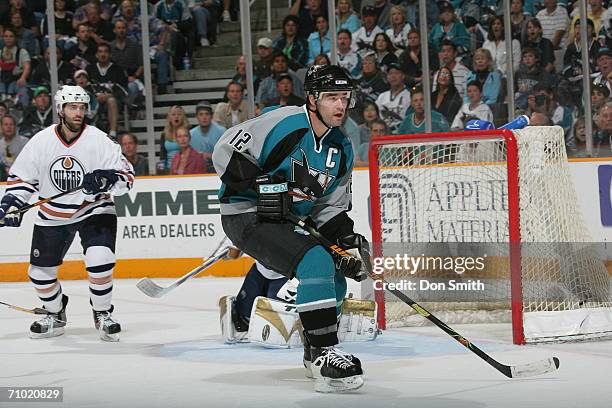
71	125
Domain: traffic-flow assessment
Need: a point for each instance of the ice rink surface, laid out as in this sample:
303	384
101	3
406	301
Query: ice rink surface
171	355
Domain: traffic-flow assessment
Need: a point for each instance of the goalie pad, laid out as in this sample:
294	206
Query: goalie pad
275	324
228	330
288	292
358	321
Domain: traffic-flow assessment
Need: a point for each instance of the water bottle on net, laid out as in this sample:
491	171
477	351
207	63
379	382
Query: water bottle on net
518	123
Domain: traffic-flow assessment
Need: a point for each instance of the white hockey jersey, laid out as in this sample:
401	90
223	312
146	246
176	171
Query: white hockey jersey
399	39
482	112
48	165
351	61
363	40
393	108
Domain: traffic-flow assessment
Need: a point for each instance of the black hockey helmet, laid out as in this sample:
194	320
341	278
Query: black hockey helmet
328	78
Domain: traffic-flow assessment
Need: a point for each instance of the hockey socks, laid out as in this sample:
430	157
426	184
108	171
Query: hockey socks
47	287
332	370
100	262
316	297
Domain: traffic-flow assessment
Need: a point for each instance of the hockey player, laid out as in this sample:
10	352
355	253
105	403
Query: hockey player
296	159
57	159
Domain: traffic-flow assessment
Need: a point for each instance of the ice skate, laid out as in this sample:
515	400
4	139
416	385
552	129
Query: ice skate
335	371
307	359
52	325
107	328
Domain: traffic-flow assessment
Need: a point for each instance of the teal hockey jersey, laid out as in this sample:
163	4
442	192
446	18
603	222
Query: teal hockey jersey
282	141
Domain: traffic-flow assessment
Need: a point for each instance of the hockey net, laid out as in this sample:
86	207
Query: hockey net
506	198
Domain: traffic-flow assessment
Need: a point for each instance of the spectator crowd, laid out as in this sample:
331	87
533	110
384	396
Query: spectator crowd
98	45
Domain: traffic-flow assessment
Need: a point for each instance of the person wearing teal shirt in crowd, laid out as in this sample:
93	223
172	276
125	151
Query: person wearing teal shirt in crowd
205	135
346	18
414	122
449	27
484	73
319	42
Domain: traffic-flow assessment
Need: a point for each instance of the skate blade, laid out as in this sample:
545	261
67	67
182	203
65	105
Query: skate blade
109	337
328	385
52	333
308	369
238	337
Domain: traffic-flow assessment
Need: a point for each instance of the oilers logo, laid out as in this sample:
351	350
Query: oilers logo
66	172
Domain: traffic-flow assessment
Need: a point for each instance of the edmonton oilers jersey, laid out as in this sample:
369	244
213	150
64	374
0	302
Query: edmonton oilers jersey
318	171
48	165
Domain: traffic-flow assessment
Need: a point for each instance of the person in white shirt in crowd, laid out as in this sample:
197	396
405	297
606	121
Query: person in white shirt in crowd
496	44
399	29
363	39
555	23
234	111
347	57
392	104
448	58
604	66
475	108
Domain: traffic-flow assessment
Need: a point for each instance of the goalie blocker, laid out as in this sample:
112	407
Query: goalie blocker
276	324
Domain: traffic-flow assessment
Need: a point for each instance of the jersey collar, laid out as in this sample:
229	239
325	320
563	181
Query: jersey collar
318	143
65	142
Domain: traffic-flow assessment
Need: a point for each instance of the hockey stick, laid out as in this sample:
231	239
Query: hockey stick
44	200
36	310
151	289
511	371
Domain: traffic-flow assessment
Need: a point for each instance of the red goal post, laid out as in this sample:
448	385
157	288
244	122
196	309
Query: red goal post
529	163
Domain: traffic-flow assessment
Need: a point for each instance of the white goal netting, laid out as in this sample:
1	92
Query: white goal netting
448	200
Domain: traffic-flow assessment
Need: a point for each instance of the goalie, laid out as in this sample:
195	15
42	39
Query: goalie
264	312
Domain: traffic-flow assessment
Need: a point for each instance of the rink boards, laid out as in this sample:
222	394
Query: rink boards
168	224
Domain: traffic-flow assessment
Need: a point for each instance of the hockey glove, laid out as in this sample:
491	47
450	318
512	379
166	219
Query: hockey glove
273	200
8	204
99	181
350	266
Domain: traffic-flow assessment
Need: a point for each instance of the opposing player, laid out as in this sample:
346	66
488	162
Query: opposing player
296	159
58	159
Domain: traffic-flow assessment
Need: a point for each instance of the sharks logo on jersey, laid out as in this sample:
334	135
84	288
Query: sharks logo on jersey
308	182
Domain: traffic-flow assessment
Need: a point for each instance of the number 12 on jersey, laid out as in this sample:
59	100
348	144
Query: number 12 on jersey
240	140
